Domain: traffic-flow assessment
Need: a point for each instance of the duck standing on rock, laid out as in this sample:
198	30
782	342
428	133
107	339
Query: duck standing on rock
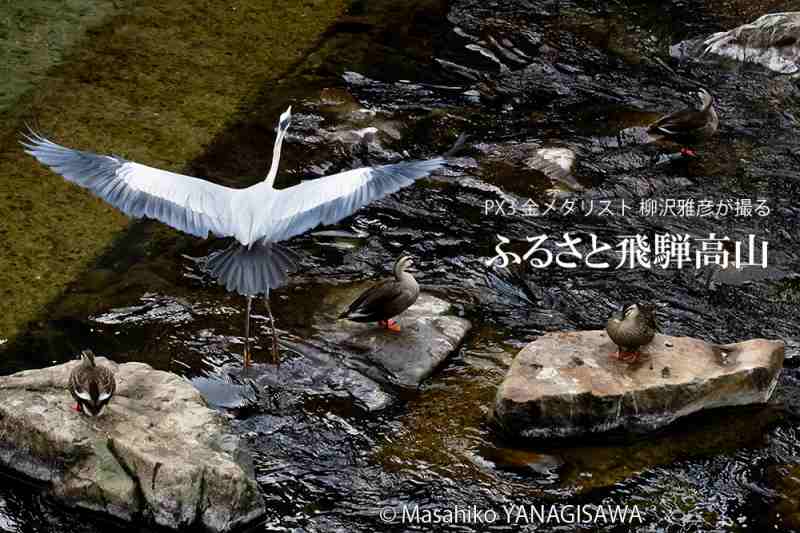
631	330
387	299
92	386
688	124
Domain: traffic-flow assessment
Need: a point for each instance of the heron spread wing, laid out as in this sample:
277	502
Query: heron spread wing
328	200
192	205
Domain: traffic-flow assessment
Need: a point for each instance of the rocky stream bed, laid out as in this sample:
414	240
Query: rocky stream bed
340	432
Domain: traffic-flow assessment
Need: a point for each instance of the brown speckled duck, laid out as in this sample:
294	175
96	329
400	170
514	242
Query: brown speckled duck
688	124
387	299
632	329
92	386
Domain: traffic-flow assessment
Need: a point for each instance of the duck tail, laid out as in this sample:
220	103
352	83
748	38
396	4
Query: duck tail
252	270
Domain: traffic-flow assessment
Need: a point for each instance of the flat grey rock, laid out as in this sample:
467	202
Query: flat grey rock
407	358
360	363
564	384
156	452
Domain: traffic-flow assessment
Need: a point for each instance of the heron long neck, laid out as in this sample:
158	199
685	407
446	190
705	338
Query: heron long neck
276	157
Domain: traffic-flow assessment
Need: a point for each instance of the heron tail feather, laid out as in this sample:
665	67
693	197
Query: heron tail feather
251	271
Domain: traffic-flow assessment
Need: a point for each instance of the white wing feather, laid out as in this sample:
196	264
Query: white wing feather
192	205
199	207
83	395
327	200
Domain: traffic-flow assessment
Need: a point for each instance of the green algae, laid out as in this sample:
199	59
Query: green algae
34	37
154	83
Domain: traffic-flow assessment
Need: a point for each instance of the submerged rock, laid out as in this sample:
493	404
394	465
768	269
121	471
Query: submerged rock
156	452
772	41
565	384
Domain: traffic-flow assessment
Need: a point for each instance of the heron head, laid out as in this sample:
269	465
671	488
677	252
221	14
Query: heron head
285	120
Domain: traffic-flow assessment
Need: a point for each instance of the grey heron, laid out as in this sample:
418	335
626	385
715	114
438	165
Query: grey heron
257	217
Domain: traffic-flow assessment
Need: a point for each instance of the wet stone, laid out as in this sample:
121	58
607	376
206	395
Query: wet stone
547	395
156	452
362	364
428	336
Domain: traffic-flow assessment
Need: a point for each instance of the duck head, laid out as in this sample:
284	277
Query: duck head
705	98
402	265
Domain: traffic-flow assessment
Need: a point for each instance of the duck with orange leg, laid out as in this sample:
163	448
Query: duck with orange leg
631	329
688	125
384	301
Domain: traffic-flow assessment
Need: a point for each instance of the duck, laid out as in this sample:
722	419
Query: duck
384	301
91	385
688	124
630	330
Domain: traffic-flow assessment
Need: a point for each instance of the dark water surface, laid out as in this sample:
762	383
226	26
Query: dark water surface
515	76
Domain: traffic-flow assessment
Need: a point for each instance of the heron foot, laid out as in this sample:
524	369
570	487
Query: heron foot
247	363
276	358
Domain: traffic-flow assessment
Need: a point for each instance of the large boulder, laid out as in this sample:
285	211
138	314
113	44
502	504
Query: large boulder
157	452
772	41
565	384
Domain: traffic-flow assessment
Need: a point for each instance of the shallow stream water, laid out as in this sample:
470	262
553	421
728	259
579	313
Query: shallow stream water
515	77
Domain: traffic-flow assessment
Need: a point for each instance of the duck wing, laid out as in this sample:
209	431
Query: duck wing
680	122
106	384
79	384
374	301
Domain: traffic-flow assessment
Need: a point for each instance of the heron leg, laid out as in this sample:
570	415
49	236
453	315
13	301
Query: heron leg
275	358
247	332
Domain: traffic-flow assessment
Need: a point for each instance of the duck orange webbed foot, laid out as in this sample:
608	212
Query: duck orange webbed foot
391	325
77	408
629	357
688	152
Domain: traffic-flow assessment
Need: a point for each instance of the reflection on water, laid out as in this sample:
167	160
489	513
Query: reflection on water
329	458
